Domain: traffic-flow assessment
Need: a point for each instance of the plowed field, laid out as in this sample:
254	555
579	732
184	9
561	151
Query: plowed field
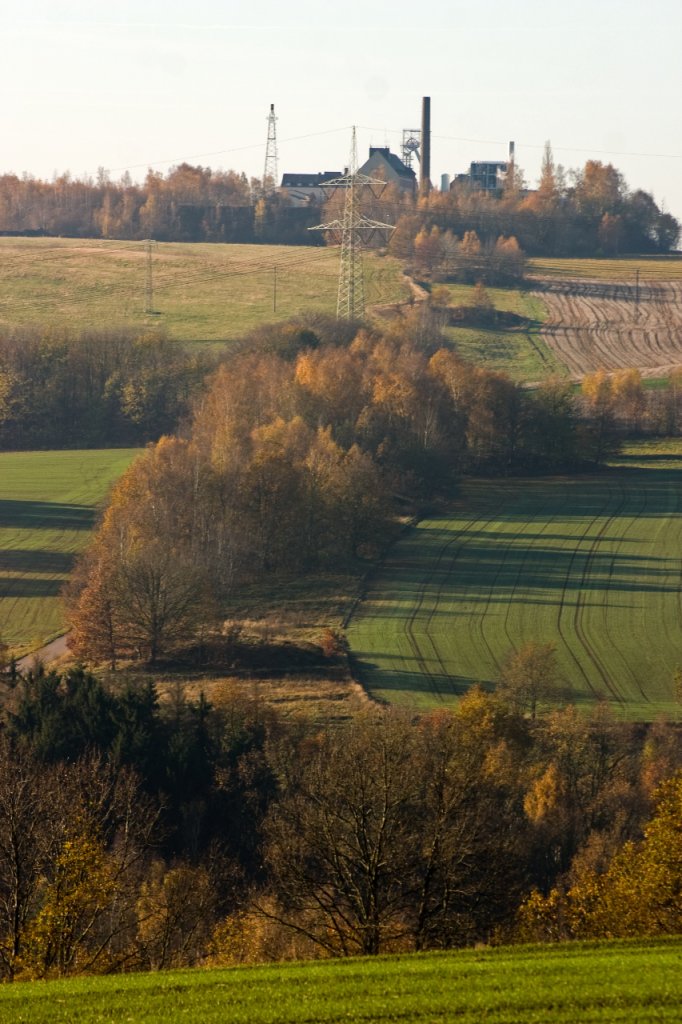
595	325
593	564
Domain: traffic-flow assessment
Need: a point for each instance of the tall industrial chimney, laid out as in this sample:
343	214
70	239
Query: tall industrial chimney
511	152
425	166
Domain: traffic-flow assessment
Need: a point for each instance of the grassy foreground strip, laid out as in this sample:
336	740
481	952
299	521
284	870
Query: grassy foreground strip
590	563
201	292
48	503
575	983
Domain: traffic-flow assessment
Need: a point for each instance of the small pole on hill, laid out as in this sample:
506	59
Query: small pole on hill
149	287
637	293
274	289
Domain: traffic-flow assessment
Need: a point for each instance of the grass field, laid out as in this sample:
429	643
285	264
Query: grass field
631	983
519	352
48	504
590	563
201	292
623	269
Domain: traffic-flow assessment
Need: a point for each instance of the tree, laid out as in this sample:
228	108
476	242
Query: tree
529	677
390	835
598	397
341	842
639	894
27	806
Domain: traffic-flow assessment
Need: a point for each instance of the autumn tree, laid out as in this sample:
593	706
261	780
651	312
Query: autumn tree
598	397
529	677
639	893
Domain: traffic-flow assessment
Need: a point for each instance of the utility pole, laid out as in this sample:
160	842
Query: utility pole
274	289
354	229
637	294
270	178
149	285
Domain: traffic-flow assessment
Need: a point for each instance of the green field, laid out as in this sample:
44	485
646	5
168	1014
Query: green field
592	563
622	270
201	292
48	503
519	352
572	983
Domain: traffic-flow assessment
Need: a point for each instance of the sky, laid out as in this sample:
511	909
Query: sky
129	85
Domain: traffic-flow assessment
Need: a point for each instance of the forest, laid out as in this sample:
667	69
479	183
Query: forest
589	211
139	834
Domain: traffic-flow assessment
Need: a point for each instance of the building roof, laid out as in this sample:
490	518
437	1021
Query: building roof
394	161
309	180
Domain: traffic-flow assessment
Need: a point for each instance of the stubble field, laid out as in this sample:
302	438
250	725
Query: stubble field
594	325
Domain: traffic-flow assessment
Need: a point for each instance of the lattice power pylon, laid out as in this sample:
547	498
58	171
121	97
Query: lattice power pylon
270	178
354	230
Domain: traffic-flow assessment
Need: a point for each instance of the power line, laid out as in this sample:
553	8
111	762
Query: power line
354	228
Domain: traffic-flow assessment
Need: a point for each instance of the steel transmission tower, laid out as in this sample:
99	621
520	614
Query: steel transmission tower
354	229
270	178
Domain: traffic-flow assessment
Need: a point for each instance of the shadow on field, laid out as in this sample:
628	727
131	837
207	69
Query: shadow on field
26	560
45	515
438	684
480	571
32	586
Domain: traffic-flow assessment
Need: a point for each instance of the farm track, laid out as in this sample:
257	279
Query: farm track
590	563
595	325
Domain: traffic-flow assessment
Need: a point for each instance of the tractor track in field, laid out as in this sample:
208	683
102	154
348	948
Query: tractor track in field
593	325
409	625
524	561
580	631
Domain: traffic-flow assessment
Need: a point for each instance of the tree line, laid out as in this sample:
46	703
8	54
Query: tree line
587	212
106	388
590	212
146	833
188	204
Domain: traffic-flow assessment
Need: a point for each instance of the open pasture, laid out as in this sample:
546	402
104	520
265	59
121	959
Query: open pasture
201	292
48	504
590	563
628	982
594	325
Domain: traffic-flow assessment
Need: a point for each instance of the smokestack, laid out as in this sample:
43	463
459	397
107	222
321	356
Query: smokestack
425	166
445	182
511	152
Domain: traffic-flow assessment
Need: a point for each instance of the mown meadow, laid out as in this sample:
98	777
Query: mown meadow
200	292
48	508
590	563
633	982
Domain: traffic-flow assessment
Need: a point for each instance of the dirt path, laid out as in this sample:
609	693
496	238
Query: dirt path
51	652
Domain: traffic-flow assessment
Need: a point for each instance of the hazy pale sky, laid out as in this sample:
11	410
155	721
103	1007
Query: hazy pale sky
127	85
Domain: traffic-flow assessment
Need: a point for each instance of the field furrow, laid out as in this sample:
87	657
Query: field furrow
592	325
592	564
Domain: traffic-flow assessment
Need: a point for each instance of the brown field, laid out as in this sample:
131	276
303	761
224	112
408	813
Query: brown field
594	324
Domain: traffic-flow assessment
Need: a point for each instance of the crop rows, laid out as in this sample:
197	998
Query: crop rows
591	564
594	325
